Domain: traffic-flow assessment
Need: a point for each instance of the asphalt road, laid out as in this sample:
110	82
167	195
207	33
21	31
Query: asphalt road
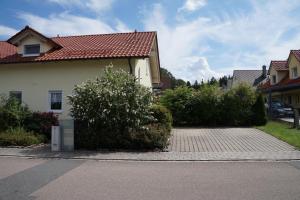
22	178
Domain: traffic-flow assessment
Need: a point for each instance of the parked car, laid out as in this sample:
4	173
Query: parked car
280	110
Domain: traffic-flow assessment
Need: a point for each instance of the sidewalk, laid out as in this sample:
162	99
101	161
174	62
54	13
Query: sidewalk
44	152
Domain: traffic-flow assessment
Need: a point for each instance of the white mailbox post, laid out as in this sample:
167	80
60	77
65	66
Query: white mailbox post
55	138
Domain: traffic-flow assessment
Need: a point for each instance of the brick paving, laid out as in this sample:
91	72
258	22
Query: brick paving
188	144
225	140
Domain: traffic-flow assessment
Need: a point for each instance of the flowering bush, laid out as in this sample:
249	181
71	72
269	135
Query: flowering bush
111	111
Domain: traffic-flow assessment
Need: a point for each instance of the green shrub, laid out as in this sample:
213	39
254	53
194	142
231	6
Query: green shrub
236	106
208	106
203	106
156	135
176	101
259	115
12	113
19	137
162	116
41	122
110	112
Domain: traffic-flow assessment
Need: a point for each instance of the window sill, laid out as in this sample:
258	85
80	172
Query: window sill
56	111
30	55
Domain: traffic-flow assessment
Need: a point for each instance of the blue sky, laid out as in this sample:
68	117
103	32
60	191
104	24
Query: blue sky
197	38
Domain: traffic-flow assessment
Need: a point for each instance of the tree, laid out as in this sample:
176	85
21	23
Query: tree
259	116
169	81
196	85
188	84
223	81
212	81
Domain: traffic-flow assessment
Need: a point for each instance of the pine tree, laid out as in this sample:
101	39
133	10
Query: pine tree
259	115
188	84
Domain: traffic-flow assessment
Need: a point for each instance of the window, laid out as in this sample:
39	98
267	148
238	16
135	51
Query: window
33	49
294	72
55	99
274	79
16	95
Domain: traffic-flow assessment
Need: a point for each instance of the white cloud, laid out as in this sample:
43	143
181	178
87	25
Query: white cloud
67	24
93	5
241	40
7	31
256	38
179	45
198	69
192	5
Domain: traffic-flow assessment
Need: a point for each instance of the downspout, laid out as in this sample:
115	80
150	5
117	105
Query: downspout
130	66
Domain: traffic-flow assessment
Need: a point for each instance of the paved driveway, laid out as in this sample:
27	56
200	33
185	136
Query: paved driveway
225	140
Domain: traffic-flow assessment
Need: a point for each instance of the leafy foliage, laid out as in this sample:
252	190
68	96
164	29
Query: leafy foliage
12	113
259	117
41	122
111	112
162	115
176	101
17	117
209	106
19	137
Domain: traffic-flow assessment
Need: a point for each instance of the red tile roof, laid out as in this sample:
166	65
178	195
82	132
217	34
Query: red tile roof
284	82
279	65
117	45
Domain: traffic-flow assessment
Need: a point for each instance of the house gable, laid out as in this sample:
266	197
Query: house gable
293	64
29	36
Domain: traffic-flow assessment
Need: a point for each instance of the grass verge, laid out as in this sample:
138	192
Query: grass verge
283	132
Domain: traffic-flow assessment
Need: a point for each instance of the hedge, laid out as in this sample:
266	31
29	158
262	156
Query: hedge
210	106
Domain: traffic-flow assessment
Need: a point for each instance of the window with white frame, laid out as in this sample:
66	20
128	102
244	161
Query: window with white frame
274	79
32	50
294	72
16	95
55	100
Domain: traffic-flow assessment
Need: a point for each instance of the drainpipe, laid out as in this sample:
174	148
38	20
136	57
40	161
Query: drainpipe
130	66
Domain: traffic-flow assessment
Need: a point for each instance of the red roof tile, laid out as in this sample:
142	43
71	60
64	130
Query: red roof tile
118	45
284	82
279	65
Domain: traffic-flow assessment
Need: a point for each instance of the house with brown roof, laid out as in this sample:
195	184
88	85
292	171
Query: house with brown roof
284	80
42	71
251	77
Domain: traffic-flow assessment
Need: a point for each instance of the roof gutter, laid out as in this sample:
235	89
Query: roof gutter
282	88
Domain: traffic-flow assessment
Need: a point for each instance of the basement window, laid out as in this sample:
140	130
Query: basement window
32	50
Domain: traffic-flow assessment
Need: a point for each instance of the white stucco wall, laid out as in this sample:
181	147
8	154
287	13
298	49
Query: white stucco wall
35	80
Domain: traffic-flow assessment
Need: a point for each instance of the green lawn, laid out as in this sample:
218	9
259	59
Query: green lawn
283	132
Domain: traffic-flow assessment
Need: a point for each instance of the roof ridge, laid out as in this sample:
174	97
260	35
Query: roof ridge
118	33
247	70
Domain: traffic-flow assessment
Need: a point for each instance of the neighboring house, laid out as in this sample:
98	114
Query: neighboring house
251	77
42	71
284	80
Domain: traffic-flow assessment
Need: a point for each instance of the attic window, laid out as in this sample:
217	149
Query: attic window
32	50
